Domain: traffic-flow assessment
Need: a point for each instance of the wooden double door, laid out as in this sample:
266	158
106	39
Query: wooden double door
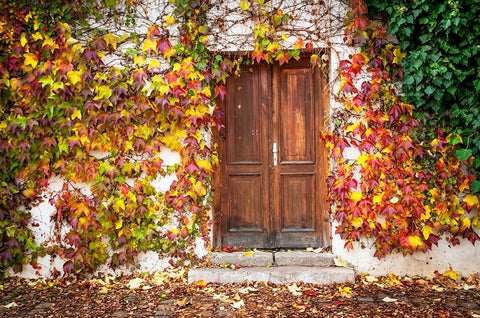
270	189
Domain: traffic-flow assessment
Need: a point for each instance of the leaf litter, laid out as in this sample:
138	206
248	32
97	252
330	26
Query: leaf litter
168	294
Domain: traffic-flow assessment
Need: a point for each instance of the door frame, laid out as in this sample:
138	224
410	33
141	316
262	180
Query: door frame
321	115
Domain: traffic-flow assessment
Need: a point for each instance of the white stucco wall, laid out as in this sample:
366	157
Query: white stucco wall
235	36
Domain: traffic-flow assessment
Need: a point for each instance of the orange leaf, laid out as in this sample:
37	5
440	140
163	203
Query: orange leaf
200	283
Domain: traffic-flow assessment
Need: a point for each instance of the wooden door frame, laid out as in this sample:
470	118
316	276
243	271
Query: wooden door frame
322	113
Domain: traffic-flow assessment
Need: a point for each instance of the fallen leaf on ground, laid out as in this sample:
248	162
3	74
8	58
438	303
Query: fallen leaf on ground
438	288
310	292
294	289
238	304
389	300
450	273
200	283
11	305
135	283
371	278
246	290
340	262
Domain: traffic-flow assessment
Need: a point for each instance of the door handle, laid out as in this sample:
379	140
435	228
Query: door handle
275	156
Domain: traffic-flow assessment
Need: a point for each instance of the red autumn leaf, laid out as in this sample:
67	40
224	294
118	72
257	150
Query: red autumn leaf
309	46
310	292
163	45
257	56
282	58
220	91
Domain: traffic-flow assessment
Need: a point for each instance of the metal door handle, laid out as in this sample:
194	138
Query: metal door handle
275	151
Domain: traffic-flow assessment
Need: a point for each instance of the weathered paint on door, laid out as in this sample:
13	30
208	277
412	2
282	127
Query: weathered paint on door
270	189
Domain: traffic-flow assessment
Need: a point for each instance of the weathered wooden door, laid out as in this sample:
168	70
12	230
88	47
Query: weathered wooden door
270	189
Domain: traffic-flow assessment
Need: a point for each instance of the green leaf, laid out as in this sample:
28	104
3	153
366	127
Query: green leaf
464	154
475	184
111	3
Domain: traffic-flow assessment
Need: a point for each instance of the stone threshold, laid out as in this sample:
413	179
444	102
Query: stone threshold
273	267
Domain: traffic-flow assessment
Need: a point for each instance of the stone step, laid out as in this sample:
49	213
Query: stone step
273	274
261	258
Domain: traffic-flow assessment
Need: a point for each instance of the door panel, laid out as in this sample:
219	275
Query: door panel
296	116
260	202
246	203
244	119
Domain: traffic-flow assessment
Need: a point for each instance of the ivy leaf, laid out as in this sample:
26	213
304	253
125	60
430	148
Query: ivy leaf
111	40
111	3
30	59
244	5
426	231
471	200
74	77
475	184
464	154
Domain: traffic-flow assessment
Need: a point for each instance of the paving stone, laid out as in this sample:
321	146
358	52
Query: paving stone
470	306
44	306
301	258
132	299
276	275
162	313
240	259
365	299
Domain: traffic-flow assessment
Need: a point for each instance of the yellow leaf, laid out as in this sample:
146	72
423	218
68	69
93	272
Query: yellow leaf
28	16
414	241
435	194
427	214
206	91
244	5
398	55
50	43
74	77
30	59
154	64
23	39
149	45
76	114
466	223
357	222
356	196
169	20
139	60
37	36
450	273
377	198
426	231
204	164
248	253
345	289
111	40
471	200
272	47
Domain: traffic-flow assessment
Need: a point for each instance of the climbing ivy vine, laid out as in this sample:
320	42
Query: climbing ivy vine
407	188
100	130
442	67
